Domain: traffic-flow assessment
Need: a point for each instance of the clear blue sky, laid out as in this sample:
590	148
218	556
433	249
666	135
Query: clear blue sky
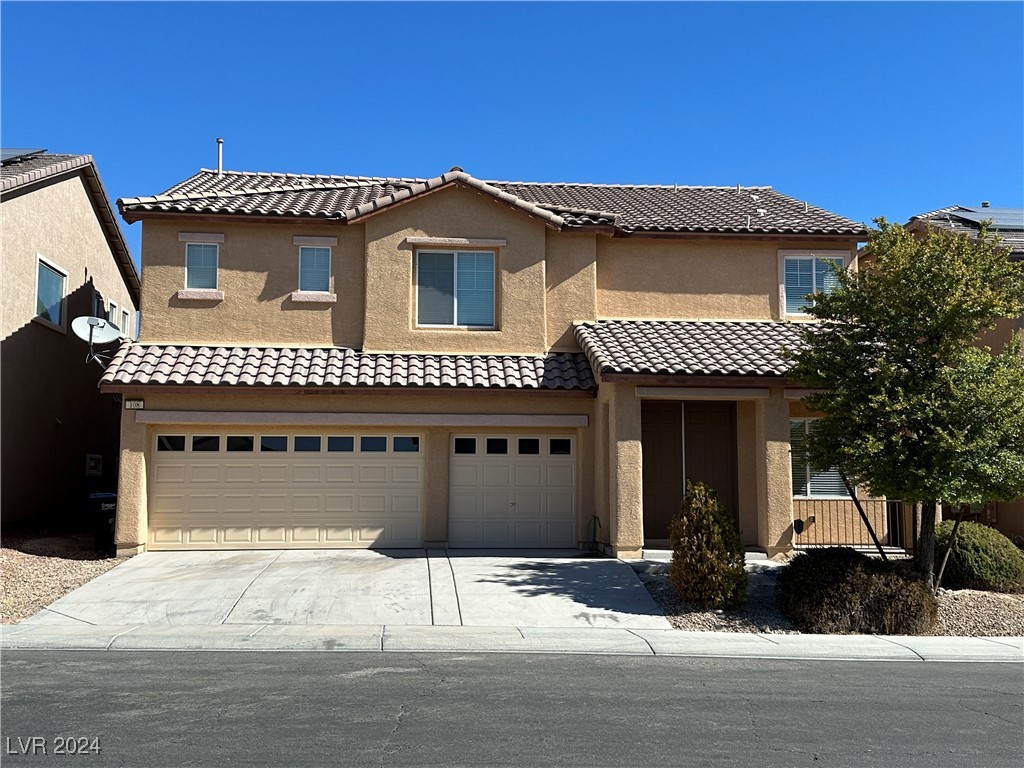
865	109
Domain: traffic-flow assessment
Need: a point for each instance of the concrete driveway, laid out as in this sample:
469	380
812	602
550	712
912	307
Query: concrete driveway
475	588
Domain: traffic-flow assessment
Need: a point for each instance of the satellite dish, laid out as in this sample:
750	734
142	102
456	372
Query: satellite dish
95	330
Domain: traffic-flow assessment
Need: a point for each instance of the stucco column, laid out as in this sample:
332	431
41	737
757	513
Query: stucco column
132	525
774	480
625	472
435	488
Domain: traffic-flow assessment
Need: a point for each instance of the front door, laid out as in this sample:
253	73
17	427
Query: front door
710	440
661	437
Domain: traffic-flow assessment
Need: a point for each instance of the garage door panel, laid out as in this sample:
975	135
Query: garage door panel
528	533
495	504
273	473
497	475
496	533
283	498
560	505
560	476
529	474
529	504
560	534
200	473
465	475
463	505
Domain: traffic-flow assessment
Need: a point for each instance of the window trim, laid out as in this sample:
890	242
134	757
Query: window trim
216	266
112	313
805	420
454	325
810	254
125	322
63	273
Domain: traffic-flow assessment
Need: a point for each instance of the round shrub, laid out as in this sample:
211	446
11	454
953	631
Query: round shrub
982	558
707	555
840	591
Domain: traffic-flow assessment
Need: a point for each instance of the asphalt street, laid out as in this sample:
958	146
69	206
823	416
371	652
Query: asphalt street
420	709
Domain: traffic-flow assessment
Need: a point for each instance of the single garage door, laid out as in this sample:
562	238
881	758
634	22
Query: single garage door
512	491
271	489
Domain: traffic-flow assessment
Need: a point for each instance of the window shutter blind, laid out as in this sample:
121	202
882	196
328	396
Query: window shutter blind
799	283
827	280
201	265
435	295
798	457
314	269
476	289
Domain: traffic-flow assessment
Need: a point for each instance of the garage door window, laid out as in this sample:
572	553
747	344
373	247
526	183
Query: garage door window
373	444
405	444
244	443
497	446
170	443
274	443
560	447
465	446
529	446
205	443
340	444
307	444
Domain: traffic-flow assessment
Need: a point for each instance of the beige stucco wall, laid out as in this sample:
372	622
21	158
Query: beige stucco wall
774	478
258	269
455	213
714	278
50	410
571	286
137	439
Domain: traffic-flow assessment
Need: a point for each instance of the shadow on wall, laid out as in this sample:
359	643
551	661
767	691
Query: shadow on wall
52	416
598	583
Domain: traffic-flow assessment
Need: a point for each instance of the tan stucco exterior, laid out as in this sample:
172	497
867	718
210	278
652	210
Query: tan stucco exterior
52	413
546	280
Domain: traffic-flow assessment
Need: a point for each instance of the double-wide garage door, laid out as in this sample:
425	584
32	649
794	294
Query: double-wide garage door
272	490
265	488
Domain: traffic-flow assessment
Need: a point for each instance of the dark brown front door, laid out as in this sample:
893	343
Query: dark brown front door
710	432
662	443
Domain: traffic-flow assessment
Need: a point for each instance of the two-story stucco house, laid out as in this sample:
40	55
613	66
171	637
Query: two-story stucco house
63	257
334	361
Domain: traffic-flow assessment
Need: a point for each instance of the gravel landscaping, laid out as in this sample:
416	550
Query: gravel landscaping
36	569
961	612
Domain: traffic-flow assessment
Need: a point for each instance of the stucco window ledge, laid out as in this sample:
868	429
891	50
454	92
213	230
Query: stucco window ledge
314	297
200	294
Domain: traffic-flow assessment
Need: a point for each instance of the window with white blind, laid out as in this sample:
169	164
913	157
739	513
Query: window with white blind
807	274
315	268
201	266
51	292
808	483
455	288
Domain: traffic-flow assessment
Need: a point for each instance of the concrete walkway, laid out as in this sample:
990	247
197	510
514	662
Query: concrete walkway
415	600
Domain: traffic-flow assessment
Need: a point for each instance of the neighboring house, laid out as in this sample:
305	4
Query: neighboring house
1008	225
63	256
335	361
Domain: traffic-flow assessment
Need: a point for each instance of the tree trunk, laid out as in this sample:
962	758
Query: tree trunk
952	543
924	558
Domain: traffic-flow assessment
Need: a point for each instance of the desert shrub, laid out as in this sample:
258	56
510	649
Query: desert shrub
707	555
982	558
840	591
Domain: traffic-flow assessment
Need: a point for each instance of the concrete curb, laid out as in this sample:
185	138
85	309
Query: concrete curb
407	638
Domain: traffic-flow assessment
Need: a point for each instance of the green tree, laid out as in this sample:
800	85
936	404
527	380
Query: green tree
913	407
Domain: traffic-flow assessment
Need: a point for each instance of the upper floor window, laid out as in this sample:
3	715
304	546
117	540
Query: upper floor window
112	314
805	274
99	308
51	288
808	483
201	266
314	269
455	288
124	321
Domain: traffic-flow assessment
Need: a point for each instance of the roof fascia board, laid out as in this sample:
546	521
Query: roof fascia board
132	216
282	389
654	234
689	380
364	419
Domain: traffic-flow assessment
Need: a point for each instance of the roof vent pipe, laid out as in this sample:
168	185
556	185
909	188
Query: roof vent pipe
220	157
985	203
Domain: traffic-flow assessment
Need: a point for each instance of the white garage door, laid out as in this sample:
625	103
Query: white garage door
272	489
512	491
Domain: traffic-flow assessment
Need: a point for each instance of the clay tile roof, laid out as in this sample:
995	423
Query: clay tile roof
28	168
1006	223
685	347
135	364
625	208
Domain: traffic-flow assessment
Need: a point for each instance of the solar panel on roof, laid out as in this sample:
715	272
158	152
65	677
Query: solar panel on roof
15	154
1001	218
